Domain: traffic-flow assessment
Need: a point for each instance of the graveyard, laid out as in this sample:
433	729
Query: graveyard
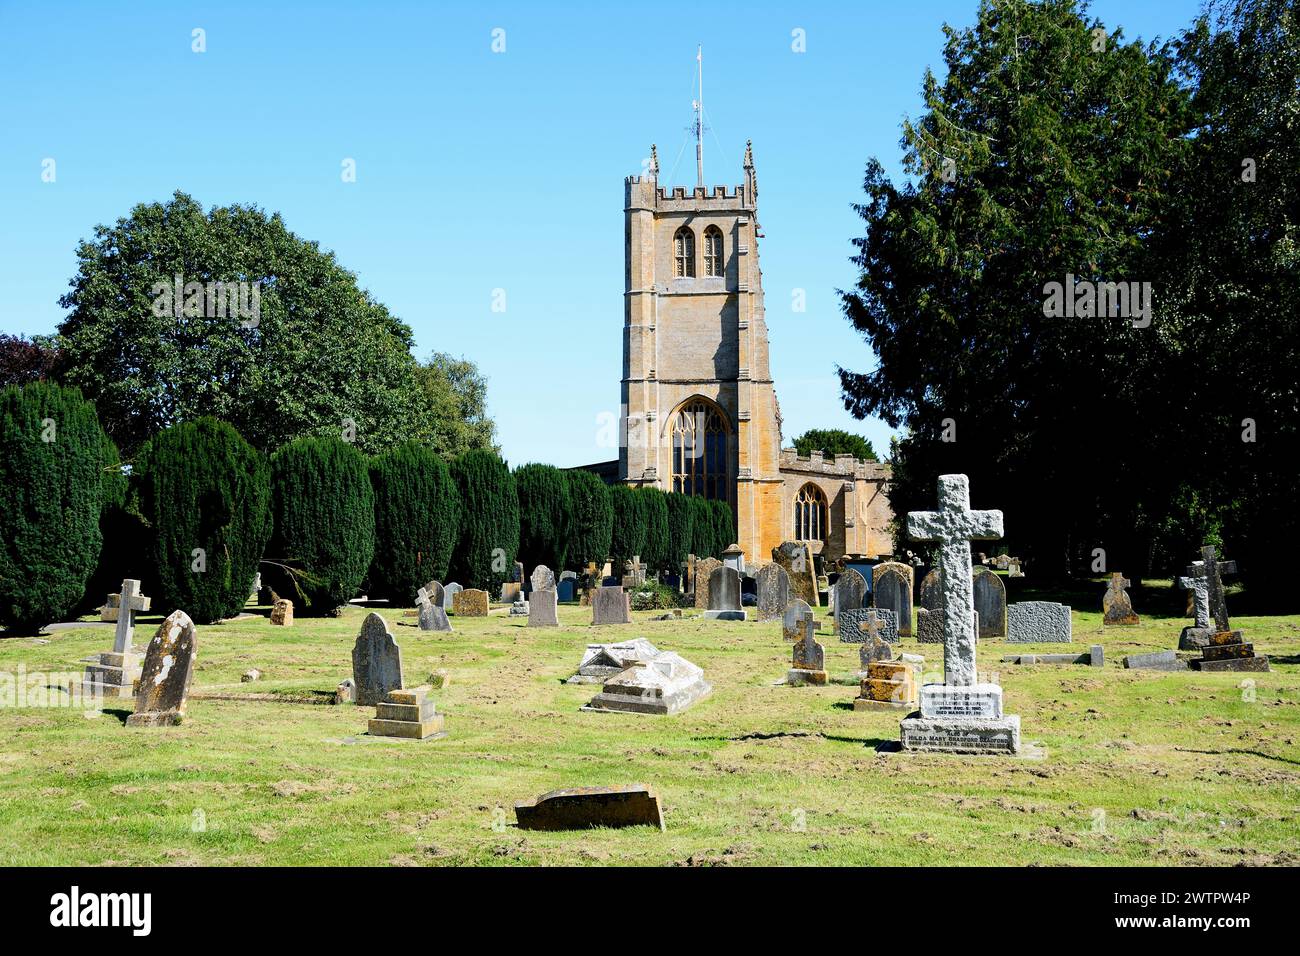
1132	767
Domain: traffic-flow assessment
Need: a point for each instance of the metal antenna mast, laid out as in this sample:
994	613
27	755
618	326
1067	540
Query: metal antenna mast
699	120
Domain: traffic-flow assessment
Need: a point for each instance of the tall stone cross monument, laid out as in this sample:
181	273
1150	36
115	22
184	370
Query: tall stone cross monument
1210	568
954	526
131	601
961	715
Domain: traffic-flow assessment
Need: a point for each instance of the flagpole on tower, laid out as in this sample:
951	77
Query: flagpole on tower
699	120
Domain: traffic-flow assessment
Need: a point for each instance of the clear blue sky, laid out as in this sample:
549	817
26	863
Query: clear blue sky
479	170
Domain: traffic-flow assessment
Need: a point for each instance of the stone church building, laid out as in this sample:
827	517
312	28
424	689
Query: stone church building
700	414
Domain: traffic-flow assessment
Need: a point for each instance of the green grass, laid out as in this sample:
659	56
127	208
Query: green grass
1183	768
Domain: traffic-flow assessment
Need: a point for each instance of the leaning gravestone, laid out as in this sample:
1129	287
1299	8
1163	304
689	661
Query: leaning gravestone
724	594
990	603
849	594
960	715
543	608
165	674
704	568
449	593
1033	622
609	605
432	615
580	808
1116	607
862	625
796	558
773	591
791	620
376	662
470	602
892	589
543	579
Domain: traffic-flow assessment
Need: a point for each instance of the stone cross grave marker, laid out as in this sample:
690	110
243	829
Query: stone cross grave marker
1116	607
376	662
954	526
131	600
1196	583
433	591
792	618
1211	568
432	615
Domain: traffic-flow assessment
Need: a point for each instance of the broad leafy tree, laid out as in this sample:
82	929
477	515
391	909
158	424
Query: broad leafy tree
834	441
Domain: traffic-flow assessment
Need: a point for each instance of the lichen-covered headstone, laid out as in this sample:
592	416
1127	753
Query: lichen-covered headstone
773	592
543	579
792	619
704	568
470	602
860	625
1116	607
796	558
376	661
610	605
165	674
930	594
282	613
543	608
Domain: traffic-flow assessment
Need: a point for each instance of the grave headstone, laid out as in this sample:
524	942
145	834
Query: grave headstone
990	596
543	608
773	592
1226	651
1211	568
808	660
407	713
871	651
734	558
791	619
1197	635
567	587
862	625
1032	622
543	579
796	558
580	808
1116	607
432	615
849	594
449	593
929	626
282	613
961	715
633	573
930	594
511	591
165	674
610	605
891	588
434	592
1156	661
724	594
376	662
469	602
704	568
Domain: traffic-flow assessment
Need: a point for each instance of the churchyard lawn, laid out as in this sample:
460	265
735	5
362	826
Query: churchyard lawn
1140	767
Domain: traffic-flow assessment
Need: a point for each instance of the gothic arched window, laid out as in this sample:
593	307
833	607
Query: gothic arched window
700	434
684	253
713	251
810	521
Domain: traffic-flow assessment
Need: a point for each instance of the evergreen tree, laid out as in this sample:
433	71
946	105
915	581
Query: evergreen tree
417	520
55	468
324	524
629	537
593	519
702	536
206	494
681	527
832	442
545	516
489	531
655	549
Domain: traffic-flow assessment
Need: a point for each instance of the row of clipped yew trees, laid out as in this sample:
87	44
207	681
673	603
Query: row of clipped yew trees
200	512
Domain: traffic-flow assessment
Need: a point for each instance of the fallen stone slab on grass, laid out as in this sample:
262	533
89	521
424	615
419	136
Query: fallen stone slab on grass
580	808
1157	661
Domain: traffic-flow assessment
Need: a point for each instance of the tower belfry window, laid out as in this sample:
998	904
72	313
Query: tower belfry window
684	253
713	251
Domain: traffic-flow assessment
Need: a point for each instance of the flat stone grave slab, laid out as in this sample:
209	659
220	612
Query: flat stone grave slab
408	713
667	684
580	808
1156	661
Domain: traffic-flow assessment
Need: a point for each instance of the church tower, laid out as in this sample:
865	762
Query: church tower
699	411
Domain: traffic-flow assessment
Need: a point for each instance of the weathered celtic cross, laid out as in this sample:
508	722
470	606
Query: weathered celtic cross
1210	568
129	601
1195	582
954	526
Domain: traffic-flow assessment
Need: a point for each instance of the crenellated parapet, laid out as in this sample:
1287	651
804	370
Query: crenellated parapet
842	466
